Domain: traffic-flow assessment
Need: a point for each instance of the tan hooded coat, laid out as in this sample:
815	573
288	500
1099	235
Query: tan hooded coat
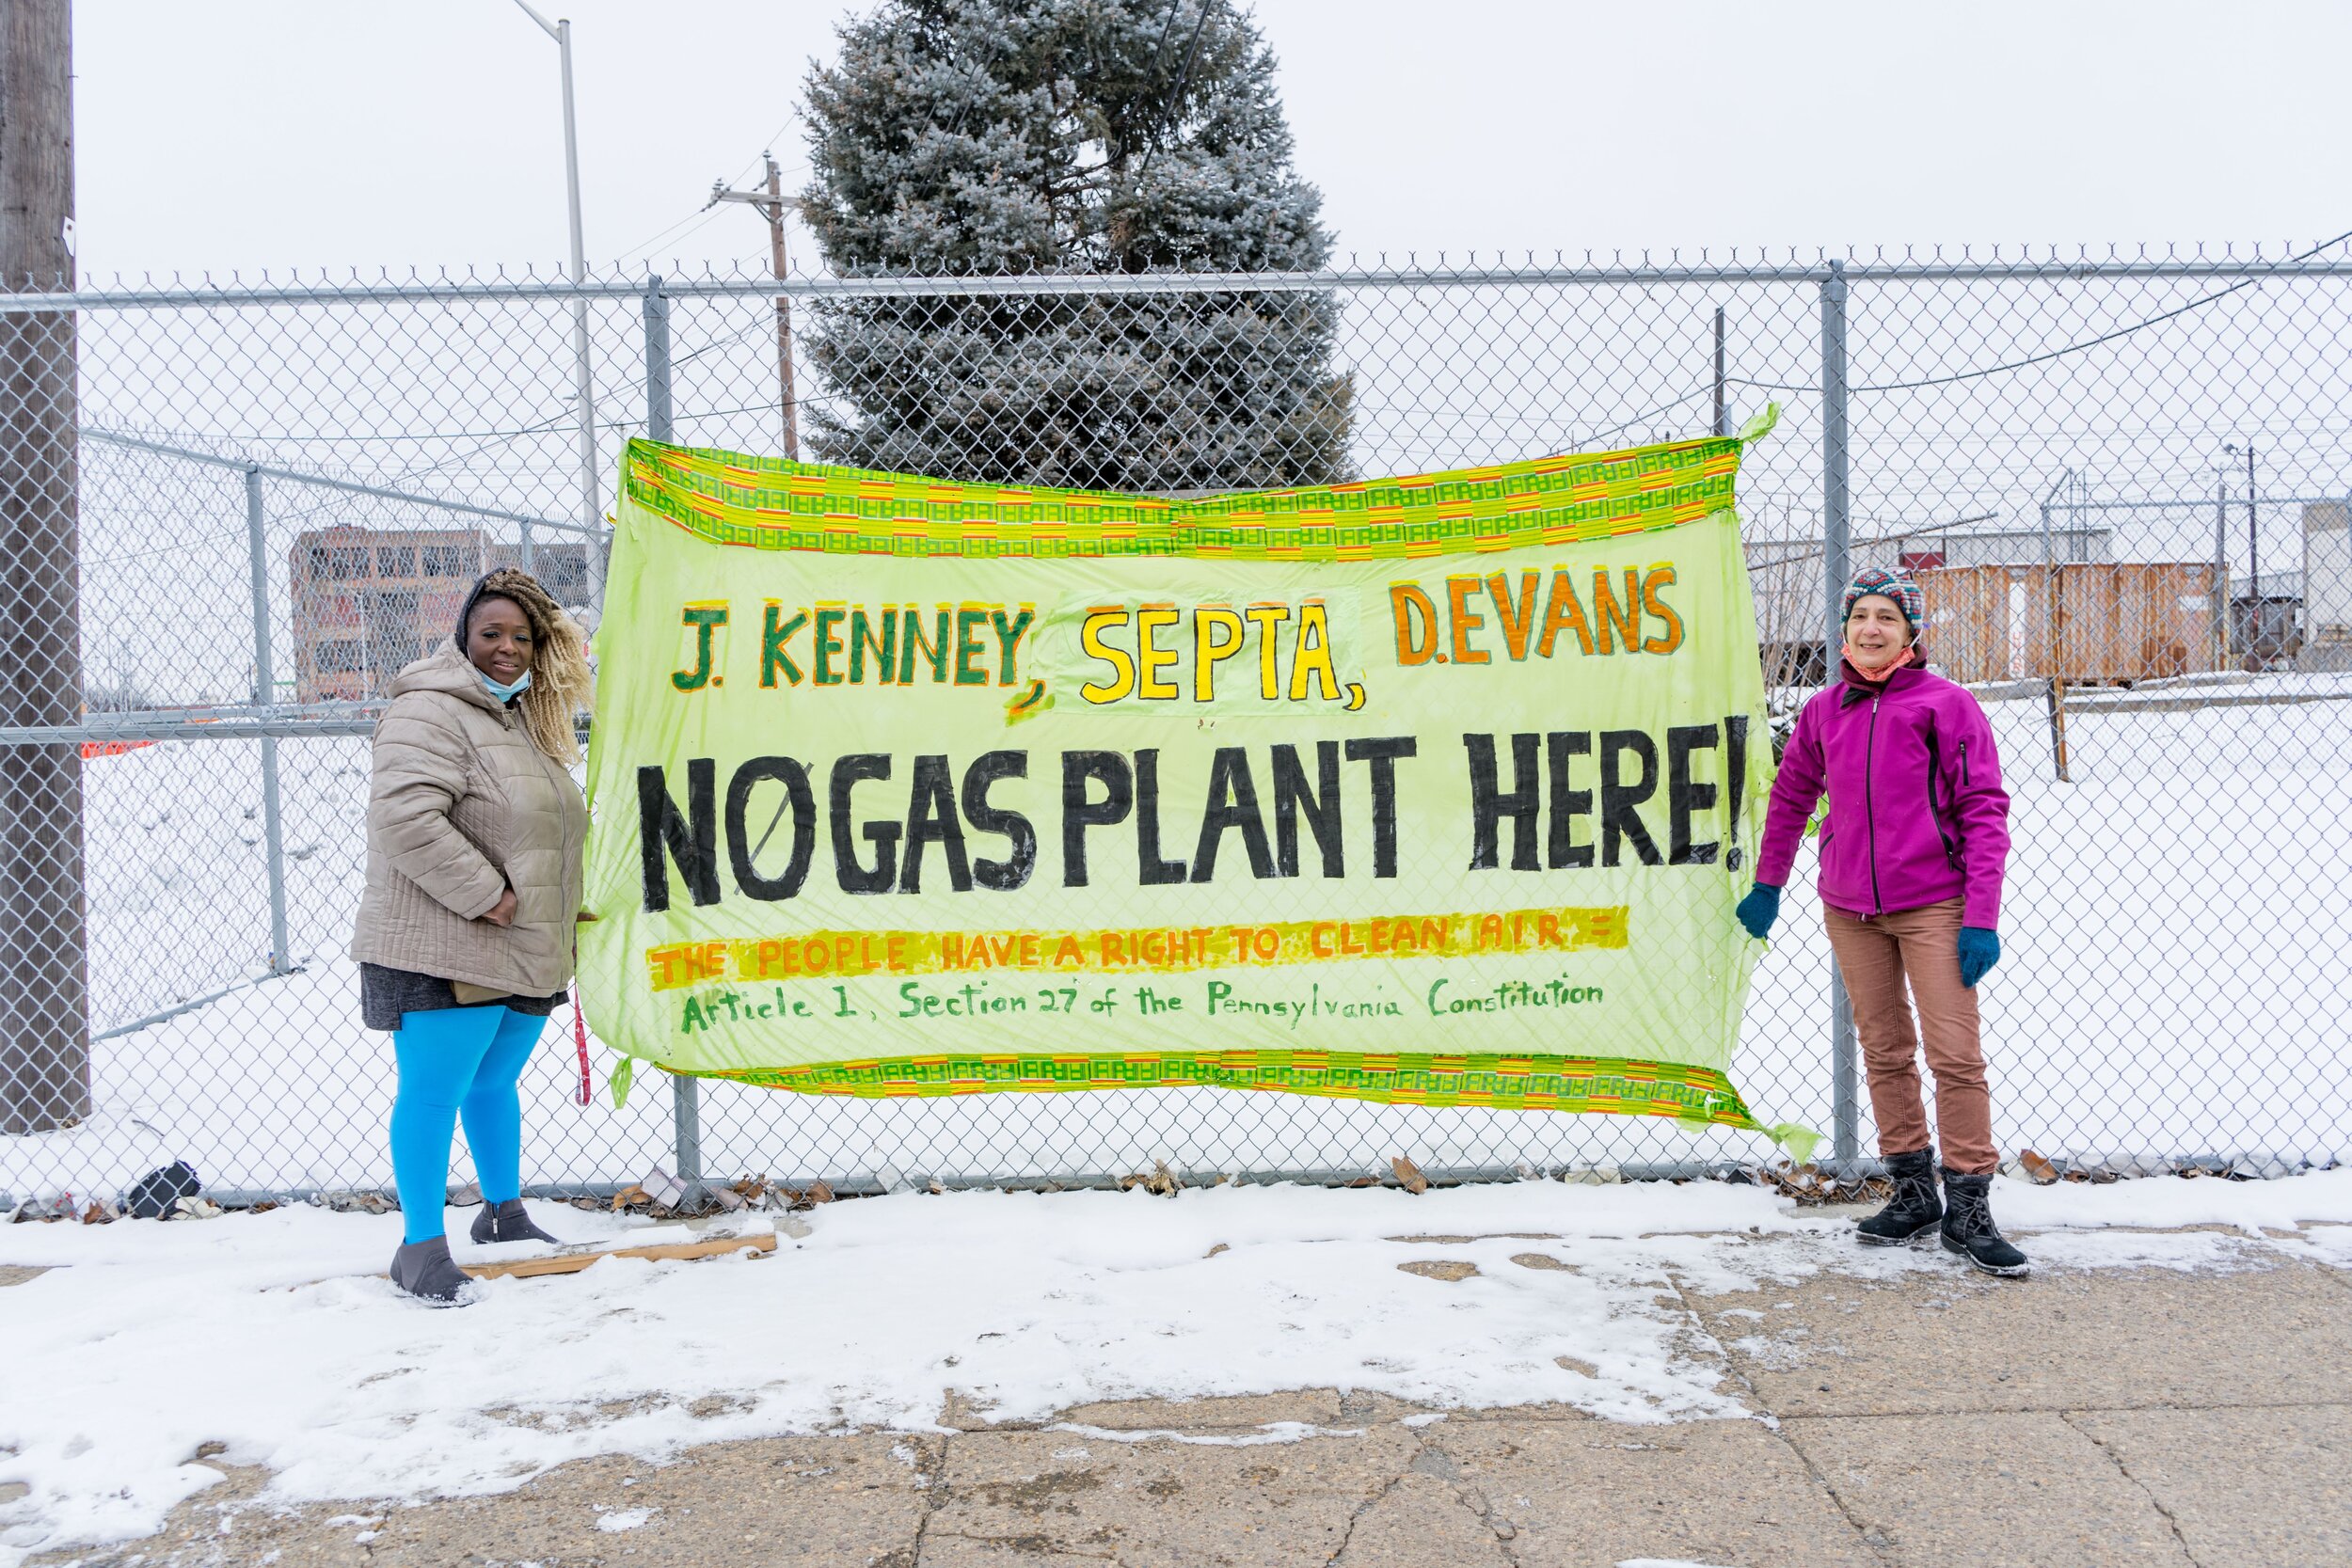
461	806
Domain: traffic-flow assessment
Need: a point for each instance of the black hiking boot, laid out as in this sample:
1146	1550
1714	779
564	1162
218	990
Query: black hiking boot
425	1270
506	1222
1915	1209
1968	1227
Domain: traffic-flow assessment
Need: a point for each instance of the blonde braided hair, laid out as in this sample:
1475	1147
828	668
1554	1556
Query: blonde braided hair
561	686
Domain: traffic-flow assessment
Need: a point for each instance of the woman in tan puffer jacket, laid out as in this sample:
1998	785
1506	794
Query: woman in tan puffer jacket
466	930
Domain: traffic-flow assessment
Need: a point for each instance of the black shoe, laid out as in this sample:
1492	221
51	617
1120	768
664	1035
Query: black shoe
1915	1209
423	1270
506	1222
1968	1227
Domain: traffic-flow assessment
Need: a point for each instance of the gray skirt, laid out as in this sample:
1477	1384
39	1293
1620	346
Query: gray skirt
385	994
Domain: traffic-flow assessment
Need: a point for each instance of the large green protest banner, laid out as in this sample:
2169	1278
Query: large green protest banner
1435	790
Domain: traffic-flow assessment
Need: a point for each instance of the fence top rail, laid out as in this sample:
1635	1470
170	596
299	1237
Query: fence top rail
240	294
218	721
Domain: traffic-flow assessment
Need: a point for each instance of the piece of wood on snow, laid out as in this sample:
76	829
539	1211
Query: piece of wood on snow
572	1263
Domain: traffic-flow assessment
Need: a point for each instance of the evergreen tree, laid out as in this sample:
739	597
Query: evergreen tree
1009	136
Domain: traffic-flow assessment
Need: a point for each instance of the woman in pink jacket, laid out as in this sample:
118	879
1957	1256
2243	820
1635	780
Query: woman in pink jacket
1911	891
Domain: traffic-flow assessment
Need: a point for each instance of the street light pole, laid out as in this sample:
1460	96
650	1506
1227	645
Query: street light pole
2254	534
771	203
2257	634
584	391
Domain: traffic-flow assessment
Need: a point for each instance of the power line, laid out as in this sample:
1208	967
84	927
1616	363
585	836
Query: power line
2196	304
694	220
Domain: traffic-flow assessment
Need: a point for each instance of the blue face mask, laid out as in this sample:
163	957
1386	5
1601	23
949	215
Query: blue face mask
507	693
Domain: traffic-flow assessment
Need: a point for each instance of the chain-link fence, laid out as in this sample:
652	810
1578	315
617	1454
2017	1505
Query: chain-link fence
227	514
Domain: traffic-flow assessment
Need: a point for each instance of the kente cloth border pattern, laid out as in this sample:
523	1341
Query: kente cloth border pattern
1620	1086
775	484
759	503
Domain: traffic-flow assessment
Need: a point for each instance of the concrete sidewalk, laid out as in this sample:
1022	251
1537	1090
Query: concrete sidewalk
2095	1417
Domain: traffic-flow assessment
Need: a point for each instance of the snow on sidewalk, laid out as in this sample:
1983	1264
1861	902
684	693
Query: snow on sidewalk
268	1333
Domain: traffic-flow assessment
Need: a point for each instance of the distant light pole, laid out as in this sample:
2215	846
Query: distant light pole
2257	636
2253	527
584	392
772	203
2253	540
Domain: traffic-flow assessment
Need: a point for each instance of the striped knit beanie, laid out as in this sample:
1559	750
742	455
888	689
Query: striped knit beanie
1893	585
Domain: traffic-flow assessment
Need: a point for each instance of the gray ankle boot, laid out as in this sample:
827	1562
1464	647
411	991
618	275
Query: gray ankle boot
507	1222
425	1270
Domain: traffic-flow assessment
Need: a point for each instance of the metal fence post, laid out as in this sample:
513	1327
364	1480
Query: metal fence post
1838	569
591	510
2221	570
1723	407
657	360
265	694
685	1093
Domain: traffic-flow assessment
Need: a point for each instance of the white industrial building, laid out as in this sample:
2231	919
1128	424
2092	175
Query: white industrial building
2326	586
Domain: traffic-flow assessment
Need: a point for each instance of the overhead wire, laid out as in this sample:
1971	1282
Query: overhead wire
2196	304
701	215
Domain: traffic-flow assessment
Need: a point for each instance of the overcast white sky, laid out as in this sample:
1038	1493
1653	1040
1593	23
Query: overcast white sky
251	134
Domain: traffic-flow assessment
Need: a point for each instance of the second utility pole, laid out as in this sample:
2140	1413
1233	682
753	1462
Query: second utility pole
771	203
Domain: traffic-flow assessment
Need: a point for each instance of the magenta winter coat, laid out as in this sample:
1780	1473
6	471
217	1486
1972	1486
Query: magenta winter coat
1917	811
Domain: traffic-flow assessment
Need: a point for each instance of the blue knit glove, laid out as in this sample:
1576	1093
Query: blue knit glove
1758	909
1979	950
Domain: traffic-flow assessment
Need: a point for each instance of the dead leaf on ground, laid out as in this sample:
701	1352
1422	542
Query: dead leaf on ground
1162	1181
820	1193
2043	1173
1810	1184
629	1197
1410	1174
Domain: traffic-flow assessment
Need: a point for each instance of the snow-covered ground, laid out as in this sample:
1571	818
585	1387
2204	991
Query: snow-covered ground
268	1333
2174	982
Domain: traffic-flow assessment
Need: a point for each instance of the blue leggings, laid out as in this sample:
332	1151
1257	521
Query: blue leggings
459	1061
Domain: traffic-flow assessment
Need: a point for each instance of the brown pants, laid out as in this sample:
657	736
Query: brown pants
1876	956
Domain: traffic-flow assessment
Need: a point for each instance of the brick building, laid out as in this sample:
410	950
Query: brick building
367	601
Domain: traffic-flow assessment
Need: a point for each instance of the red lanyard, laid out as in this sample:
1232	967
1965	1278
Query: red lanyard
579	1036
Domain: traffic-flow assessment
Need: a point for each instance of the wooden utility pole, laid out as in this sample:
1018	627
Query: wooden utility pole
44	961
772	203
